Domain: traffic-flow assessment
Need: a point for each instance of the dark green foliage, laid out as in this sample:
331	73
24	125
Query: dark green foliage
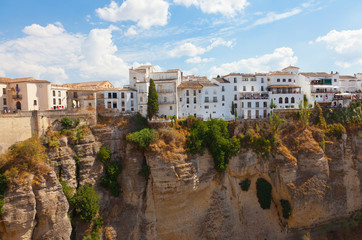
335	130
93	236
76	122
245	184
275	122
3	186
287	209
104	155
141	122
272	105
142	138
67	122
152	104
214	135
98	222
232	108
86	202
264	188
145	171
67	190
260	144
110	180
319	119
351	114
304	112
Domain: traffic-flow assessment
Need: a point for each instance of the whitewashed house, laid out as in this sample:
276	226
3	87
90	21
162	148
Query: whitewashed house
58	95
123	99
350	84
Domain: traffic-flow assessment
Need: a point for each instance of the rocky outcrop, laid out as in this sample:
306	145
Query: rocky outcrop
36	208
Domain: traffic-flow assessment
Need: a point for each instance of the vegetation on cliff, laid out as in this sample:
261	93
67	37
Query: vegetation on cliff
264	188
143	138
152	103
214	136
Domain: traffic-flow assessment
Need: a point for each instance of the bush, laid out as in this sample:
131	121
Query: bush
67	122
3	187
77	121
336	130
110	180
245	184
104	155
86	202
263	189
142	138
67	190
214	135
287	209
93	236
145	171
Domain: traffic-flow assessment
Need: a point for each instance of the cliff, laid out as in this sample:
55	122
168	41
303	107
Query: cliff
185	197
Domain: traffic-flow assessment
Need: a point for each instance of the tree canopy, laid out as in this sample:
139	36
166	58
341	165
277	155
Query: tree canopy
152	104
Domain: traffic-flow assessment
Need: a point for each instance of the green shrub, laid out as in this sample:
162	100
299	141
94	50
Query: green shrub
3	187
264	189
67	122
93	236
336	130
110	180
245	184
86	202
142	138
214	135
104	155
145	171
351	114
98	222
77	121
287	209
67	190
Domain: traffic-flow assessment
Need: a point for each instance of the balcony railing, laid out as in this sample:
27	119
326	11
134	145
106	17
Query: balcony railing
17	96
251	98
325	91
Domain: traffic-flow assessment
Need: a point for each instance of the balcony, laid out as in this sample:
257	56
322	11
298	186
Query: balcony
210	101
168	102
17	96
325	91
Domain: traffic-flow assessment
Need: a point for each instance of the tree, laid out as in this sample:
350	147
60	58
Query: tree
272	105
232	108
304	112
152	104
86	202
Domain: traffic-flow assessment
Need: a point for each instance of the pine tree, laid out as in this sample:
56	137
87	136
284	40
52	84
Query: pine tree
232	108
152	104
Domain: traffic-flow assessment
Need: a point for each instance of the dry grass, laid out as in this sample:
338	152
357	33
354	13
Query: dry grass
170	145
282	149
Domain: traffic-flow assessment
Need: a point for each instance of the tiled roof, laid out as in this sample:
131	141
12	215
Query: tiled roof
316	74
290	67
277	73
240	74
221	80
196	84
21	80
89	86
347	77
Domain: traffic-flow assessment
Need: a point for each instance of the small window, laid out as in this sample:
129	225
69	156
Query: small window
4	90
59	94
199	91
187	106
194	92
286	100
262	80
109	95
109	104
194	100
114	104
223	104
236	105
53	93
278	80
206	99
122	95
132	109
252	88
223	98
123	104
235	97
54	101
244	88
280	100
187	100
249	104
335	80
289	80
292	100
4	101
89	104
187	93
123	109
235	88
170	107
262	88
257	104
235	81
206	107
141	99
59	101
131	94
180	99
215	99
284	80
222	88
132	104
265	104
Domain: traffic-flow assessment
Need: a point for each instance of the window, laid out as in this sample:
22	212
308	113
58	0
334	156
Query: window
123	109
289	80
187	93
223	97
286	100
194	100
180	99
235	97
249	104
292	100
265	104
89	104
59	101
206	99
122	104
235	81
165	99
109	104
187	106
284	80
335	80
222	88
141	99
242	104
4	90
132	109
214	99
131	94
194	92
244	88
235	88
132	104
187	100
4	101
53	93
262	88
278	80
54	101
223	104
252	88
206	107
59	94
199	91
170	107
114	104
257	104
262	80
109	95
280	100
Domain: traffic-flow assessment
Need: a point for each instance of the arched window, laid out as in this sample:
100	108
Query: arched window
278	80
292	100
284	80
280	100
286	100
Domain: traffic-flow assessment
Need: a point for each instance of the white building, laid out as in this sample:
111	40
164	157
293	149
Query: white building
350	84
123	99
58	94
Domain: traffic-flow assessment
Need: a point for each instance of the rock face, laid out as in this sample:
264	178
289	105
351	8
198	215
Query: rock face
36	209
185	198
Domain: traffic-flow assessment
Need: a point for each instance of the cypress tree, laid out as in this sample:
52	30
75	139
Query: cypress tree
152	104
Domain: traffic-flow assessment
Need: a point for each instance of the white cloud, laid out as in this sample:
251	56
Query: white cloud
272	17
146	13
280	58
54	54
199	60
190	49
228	8
131	31
347	44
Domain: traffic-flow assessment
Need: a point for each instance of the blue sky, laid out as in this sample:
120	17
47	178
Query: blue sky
72	41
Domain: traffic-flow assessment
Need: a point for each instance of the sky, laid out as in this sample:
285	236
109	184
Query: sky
75	41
